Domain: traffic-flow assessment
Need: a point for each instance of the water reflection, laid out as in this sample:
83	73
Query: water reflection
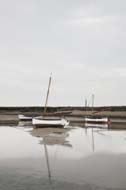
73	158
24	123
106	140
90	148
16	143
52	136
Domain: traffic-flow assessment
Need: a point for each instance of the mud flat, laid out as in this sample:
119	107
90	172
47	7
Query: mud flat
76	117
111	114
8	119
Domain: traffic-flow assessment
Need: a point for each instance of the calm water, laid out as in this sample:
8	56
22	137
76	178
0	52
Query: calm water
62	159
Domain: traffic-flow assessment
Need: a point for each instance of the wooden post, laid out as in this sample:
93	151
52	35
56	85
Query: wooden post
85	103
92	101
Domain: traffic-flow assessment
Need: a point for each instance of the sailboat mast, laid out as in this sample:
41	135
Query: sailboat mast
45	108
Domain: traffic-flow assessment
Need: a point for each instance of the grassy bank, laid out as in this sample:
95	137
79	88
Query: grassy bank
71	108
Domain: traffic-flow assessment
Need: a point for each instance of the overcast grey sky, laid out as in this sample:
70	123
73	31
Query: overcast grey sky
82	42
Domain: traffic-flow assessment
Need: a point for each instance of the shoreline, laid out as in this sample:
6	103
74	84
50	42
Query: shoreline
76	117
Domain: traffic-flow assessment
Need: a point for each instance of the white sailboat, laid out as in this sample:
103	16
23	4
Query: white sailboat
102	122
49	121
44	121
96	120
24	117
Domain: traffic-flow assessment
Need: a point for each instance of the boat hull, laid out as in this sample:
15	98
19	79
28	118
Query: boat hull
44	122
97	120
24	118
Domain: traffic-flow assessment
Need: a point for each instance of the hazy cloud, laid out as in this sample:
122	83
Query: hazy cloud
81	42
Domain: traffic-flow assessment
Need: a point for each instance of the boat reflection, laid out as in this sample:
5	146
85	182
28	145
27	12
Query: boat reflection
51	136
24	124
101	133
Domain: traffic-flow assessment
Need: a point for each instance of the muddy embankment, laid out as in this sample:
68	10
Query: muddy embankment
9	115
